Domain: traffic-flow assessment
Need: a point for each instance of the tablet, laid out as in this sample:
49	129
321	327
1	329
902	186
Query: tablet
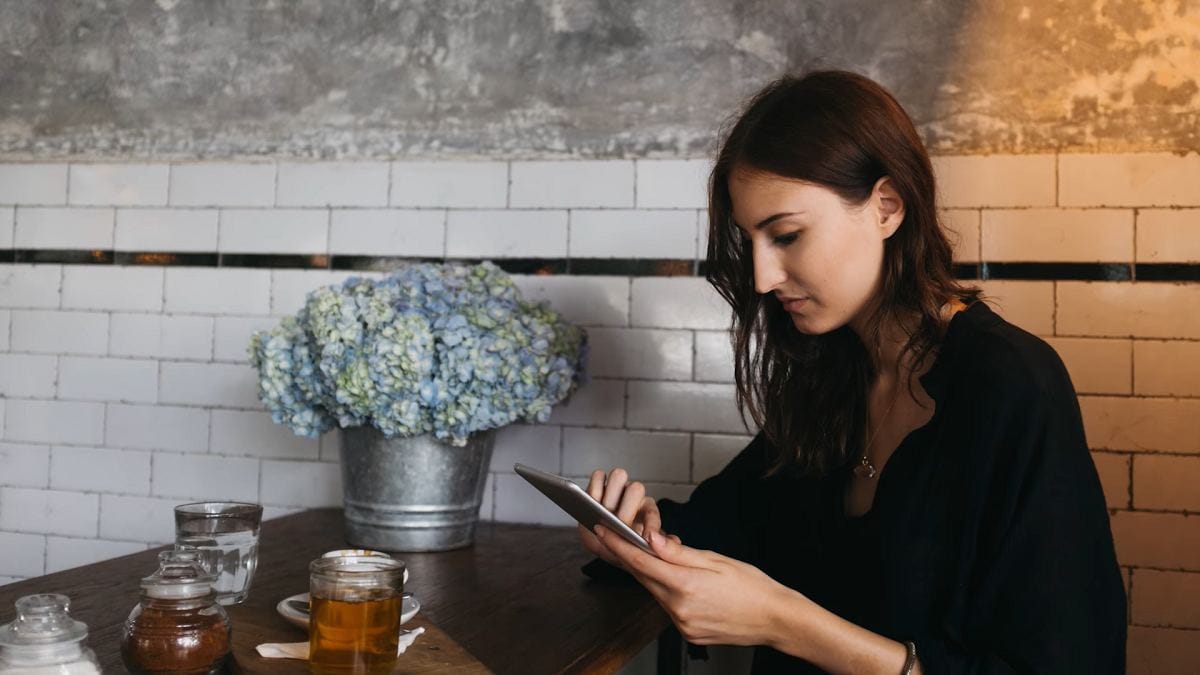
580	505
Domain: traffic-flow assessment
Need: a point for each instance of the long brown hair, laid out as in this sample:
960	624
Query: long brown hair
840	130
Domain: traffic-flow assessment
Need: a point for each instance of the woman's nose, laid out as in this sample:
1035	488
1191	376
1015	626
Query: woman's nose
768	273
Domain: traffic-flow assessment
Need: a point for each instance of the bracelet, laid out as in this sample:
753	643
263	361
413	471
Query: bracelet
911	659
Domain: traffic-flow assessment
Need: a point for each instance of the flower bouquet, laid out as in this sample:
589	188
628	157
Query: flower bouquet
432	353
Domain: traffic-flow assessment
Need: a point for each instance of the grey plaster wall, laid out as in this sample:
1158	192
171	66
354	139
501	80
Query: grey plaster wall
575	78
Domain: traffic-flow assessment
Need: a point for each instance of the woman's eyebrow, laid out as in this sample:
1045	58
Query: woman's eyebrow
774	217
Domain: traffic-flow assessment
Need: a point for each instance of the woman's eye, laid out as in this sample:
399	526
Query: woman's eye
786	239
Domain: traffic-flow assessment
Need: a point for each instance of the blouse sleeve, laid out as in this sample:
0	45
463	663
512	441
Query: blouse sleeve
716	515
1037	586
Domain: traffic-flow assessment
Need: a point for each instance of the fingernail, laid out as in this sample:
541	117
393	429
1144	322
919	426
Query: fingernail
599	531
652	538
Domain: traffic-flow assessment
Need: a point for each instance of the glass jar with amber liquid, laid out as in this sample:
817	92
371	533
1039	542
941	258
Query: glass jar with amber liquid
355	608
178	627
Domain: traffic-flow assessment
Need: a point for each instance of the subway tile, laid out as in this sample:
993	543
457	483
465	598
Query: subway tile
232	336
506	234
683	406
714	356
273	512
1058	235
35	286
711	453
217	291
388	232
1168	235
598	403
1128	179
84	378
1118	309
24	554
1113	469
332	184
645	456
137	519
331	445
209	384
63	553
223	184
962	227
204	477
683	302
582	300
516	501
33	184
161	336
118	184
622	233
176	230
640	353
310	484
1166	482
1142	424
487	504
290	288
113	288
1028	304
274	231
966	181
1164	540
1163	598
672	183
54	422
48	511
157	427
8	217
1166	368
63	228
52	332
575	183
24	465
1097	366
450	184
254	434
27	375
1162	651
100	470
702	226
535	445
5	329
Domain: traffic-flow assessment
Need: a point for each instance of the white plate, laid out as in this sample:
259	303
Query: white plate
408	609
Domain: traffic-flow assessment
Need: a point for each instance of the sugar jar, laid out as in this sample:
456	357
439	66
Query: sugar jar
45	640
177	627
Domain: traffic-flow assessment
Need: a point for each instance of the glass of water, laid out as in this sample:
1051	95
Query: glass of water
225	535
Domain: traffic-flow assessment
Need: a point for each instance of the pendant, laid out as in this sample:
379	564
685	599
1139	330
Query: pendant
865	469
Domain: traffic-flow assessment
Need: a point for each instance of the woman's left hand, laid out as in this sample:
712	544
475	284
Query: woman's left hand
713	599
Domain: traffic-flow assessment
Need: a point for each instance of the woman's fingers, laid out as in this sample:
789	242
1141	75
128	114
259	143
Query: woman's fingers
595	486
631	501
650	515
614	487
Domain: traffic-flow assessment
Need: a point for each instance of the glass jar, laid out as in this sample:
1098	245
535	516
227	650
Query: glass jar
45	640
356	606
178	627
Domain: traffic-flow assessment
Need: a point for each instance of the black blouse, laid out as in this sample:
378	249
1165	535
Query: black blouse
988	542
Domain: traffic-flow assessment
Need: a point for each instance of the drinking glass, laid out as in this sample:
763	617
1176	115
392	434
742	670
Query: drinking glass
225	535
354	625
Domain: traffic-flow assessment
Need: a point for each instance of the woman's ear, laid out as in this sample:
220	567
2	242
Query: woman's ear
889	206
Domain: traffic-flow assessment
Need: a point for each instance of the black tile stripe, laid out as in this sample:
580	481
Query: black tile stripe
640	267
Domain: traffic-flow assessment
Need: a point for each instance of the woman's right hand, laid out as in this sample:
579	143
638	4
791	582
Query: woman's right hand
629	502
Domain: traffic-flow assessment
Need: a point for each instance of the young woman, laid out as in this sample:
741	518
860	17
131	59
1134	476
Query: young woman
920	497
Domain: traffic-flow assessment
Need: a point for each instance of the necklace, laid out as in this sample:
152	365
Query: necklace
865	469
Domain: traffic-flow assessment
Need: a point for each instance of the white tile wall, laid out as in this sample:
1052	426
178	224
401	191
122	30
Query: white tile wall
621	233
223	184
217	291
27	375
38	227
452	184
673	183
49	511
412	233
54	422
24	465
157	427
506	234
308	484
114	288
7	223
100	470
84	378
332	184
118	184
204	477
53	332
253	434
209	384
177	230
30	285
581	184
165	336
274	231
33	184
231	336
24	554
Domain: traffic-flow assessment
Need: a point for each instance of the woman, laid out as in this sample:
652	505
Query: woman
920	497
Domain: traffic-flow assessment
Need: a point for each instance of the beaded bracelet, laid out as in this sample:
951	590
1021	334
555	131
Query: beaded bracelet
911	659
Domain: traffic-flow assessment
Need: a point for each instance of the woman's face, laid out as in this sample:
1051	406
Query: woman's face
815	247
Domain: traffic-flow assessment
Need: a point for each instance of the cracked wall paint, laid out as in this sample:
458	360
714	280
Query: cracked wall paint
576	78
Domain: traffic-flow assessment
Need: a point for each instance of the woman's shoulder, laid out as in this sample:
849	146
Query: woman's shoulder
992	354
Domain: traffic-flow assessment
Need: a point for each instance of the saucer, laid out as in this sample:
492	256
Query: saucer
289	609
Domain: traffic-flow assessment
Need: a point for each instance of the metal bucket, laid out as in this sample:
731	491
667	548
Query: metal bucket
412	494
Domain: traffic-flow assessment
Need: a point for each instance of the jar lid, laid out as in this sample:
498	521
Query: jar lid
180	575
42	619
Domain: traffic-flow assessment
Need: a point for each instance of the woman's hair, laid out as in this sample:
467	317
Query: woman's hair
808	393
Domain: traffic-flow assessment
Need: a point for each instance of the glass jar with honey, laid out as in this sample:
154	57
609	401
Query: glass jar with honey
177	627
355	610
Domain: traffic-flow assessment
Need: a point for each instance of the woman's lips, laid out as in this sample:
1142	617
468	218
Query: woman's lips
795	305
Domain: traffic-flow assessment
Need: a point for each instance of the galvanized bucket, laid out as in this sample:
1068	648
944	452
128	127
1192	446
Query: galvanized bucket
412	494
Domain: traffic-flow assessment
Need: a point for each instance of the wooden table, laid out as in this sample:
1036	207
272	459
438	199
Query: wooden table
514	602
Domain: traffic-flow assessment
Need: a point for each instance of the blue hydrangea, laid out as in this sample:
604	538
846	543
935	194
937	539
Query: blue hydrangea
445	349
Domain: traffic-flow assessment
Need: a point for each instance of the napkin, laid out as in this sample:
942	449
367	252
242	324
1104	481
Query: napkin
299	650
